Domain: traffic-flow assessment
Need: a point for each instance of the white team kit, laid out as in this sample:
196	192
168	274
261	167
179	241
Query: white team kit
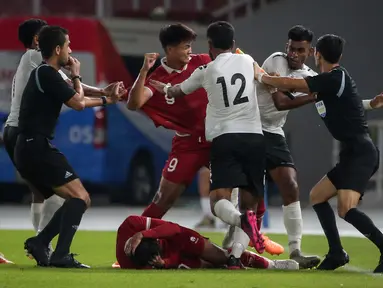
277	150
233	121
272	119
231	90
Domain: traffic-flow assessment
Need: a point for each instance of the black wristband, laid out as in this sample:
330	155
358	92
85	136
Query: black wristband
77	77
103	98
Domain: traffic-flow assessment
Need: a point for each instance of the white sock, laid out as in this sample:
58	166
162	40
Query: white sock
225	210
241	241
292	216
234	197
51	205
205	205
36	209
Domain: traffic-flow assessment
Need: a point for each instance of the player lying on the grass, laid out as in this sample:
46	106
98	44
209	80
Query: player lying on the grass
148	243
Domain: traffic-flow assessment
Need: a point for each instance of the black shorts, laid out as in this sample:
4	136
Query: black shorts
10	137
277	151
358	161
42	164
238	160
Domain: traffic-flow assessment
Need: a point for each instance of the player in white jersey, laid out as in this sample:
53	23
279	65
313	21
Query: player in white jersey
274	106
41	211
233	125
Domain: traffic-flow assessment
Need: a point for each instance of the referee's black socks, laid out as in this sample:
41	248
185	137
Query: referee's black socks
71	218
53	227
326	218
365	226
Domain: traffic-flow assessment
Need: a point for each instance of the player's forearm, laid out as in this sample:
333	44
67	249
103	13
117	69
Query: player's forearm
174	91
163	231
285	83
136	96
78	88
96	102
89	91
92	91
283	102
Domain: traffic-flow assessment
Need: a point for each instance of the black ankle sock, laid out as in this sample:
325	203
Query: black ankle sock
71	219
53	227
365	226
326	218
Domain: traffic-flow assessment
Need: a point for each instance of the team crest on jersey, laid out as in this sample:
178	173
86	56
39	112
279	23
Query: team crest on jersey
321	108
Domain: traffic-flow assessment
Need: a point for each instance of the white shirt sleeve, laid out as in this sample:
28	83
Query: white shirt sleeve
195	80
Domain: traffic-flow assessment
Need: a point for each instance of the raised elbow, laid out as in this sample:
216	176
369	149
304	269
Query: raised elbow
280	106
132	106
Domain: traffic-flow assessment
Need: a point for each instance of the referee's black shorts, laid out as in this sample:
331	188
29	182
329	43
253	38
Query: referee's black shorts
42	164
358	161
238	160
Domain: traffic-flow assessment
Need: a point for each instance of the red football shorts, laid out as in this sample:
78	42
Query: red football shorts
189	154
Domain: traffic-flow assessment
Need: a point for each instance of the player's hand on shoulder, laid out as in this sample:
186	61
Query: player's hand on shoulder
149	60
74	66
132	243
159	86
377	102
258	71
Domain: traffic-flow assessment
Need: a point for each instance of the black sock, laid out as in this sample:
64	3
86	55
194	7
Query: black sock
71	219
53	227
326	218
365	226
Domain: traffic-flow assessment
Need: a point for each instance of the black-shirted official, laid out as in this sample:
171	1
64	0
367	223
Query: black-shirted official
38	160
342	110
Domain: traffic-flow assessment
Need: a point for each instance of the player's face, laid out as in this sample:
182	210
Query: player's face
297	53
181	52
65	51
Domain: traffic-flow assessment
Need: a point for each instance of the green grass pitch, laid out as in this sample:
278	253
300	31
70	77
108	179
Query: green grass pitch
97	249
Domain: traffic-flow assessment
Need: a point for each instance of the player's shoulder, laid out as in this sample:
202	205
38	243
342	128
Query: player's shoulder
199	59
158	73
308	71
31	56
277	56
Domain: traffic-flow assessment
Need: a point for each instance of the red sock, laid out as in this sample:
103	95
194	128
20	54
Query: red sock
261	209
252	260
153	211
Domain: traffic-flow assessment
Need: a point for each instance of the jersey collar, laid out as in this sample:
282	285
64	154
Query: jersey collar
169	69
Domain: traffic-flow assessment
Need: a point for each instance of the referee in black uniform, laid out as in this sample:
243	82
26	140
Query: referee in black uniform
38	160
341	109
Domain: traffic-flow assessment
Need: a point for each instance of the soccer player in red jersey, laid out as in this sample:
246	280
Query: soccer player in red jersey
147	243
190	150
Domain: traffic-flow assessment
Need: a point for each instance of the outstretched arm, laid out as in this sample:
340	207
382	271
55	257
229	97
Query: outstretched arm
375	103
284	102
284	83
188	86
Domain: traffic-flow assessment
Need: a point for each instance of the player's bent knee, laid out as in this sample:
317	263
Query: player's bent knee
315	197
168	193
342	210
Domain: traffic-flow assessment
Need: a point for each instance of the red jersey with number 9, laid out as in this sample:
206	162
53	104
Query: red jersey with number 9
184	114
